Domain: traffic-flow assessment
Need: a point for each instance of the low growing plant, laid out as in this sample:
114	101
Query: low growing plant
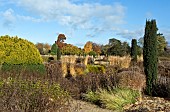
91	97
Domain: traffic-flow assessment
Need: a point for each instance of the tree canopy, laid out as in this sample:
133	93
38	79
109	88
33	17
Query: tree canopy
43	48
88	47
69	49
54	49
116	47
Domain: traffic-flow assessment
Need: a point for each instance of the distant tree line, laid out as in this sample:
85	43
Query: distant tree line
114	47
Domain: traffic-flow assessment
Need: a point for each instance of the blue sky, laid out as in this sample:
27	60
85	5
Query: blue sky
82	20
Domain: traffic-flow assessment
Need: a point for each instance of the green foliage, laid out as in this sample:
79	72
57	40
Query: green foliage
54	49
92	53
134	50
14	50
114	99
139	50
21	95
58	54
91	97
162	44
150	55
118	98
23	68
96	69
116	47
141	42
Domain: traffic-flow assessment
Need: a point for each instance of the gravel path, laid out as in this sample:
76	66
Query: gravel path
82	106
151	104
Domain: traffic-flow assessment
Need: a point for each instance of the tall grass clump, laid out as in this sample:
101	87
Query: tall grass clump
114	99
122	62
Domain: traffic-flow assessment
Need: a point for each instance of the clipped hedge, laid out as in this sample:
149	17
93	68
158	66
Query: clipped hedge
14	50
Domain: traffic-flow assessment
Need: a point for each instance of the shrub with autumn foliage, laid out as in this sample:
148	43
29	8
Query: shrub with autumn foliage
88	47
69	49
92	47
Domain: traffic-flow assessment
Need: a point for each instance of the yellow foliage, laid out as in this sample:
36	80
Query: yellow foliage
14	50
88	47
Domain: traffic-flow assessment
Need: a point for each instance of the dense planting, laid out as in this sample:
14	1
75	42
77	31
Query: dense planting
29	96
113	80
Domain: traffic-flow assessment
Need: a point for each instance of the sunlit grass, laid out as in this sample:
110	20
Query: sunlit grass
115	99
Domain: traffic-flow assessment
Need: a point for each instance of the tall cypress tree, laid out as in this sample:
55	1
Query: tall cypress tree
134	51
150	55
58	54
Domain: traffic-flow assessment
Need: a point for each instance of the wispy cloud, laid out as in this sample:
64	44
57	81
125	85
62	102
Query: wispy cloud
9	18
28	18
127	34
78	16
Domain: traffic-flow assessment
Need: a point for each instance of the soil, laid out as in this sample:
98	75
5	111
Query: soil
82	106
151	104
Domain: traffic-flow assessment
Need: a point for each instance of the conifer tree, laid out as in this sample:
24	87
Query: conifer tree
58	54
134	51
150	55
54	49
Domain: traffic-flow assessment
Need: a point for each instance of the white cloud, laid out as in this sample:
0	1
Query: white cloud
76	15
28	18
9	18
127	34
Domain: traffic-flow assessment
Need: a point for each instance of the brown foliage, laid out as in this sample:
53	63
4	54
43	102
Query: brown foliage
47	46
60	40
96	48
131	79
29	96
